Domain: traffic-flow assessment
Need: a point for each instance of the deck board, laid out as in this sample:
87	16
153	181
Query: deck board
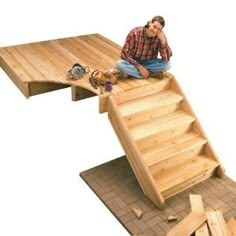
46	63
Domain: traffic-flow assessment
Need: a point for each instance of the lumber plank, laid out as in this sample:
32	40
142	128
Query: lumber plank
232	226
188	182
178	153
105	46
149	101
26	70
43	87
150	113
150	106
104	58
167	122
79	93
180	177
196	203
122	86
11	62
197	206
161	146
82	55
217	223
153	87
15	77
163	136
188	225
42	64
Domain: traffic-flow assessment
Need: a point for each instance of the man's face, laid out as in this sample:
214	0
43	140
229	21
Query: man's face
154	29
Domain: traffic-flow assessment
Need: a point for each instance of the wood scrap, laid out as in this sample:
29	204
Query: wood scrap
172	218
188	225
232	226
197	206
138	212
217	223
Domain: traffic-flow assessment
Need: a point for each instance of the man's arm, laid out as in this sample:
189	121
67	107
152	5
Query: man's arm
126	54
165	50
127	49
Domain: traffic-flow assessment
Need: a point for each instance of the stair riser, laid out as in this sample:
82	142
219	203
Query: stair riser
175	159
146	115
163	136
187	184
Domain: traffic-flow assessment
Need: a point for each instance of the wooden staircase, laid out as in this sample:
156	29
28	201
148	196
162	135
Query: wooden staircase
162	139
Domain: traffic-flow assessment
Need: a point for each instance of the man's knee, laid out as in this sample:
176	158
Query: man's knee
167	65
119	65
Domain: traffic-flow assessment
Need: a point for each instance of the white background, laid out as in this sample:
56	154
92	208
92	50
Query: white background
47	140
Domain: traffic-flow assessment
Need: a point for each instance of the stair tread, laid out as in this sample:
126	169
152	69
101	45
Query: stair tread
159	146
181	173
177	146
161	123
149	102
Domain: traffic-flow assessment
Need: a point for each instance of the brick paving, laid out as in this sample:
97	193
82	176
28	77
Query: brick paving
115	184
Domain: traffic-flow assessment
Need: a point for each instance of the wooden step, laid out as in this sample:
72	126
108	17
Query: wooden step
151	106
161	128
151	148
141	91
183	176
159	160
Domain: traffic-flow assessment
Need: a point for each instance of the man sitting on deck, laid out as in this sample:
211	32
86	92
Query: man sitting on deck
139	55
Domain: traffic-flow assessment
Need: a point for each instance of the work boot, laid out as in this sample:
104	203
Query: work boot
158	75
117	73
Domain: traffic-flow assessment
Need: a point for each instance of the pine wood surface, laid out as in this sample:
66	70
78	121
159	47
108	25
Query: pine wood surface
188	225
49	61
168	146
152	118
140	169
217	224
197	206
232	226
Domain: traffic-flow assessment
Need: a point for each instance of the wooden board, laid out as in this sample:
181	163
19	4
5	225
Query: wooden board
46	63
197	206
188	225
232	226
217	224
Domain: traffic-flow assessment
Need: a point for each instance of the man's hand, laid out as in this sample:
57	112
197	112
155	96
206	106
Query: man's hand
162	38
143	71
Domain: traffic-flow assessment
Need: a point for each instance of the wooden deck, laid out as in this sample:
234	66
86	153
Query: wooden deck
42	66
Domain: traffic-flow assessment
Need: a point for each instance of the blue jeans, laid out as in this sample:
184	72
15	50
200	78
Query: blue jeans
155	65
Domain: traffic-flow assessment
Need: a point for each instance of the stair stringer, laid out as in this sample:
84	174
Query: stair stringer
197	126
133	155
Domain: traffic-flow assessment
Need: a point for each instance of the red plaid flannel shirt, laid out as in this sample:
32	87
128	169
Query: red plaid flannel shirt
139	47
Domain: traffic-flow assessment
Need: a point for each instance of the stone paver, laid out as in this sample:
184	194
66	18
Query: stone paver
115	184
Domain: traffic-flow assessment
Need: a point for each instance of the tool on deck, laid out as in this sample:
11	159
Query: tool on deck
102	80
77	71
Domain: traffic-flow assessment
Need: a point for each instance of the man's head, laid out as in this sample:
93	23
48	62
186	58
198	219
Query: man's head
154	26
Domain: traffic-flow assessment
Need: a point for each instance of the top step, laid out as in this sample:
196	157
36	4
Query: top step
142	91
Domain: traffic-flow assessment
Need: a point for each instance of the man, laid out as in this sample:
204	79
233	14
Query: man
139	55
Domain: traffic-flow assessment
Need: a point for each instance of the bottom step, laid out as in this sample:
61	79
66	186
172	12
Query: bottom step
179	178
